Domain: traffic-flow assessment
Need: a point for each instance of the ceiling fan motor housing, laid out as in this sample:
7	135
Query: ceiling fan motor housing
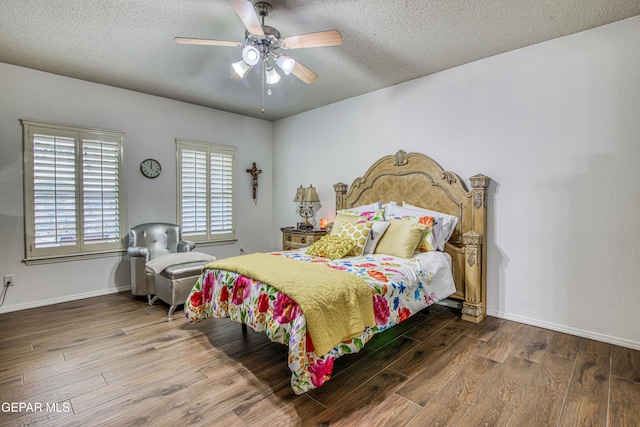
266	44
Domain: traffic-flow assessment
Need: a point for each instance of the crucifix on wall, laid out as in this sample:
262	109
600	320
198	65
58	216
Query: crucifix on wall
254	171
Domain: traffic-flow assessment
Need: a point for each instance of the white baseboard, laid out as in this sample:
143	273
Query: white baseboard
66	298
566	329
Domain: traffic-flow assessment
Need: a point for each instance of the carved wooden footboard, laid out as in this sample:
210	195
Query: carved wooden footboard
420	181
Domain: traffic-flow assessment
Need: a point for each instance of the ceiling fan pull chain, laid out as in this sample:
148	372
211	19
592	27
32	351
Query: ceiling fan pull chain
264	77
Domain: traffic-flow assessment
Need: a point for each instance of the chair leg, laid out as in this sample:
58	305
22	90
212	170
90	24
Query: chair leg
171	310
152	300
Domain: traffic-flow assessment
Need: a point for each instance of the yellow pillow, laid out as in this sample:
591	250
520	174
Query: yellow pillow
332	247
426	243
358	232
340	218
401	238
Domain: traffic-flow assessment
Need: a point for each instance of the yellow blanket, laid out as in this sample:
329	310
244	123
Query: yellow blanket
337	305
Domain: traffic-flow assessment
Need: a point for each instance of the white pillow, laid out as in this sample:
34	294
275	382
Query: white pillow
378	229
377	206
449	222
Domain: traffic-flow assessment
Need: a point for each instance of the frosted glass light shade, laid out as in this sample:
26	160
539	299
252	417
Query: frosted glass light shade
286	64
272	77
241	68
250	55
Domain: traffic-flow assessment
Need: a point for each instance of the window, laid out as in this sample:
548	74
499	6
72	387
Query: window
206	205
73	191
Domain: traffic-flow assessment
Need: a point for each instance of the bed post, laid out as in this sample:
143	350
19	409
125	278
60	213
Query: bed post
474	307
341	192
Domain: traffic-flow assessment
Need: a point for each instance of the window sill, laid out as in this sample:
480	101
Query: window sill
72	257
213	242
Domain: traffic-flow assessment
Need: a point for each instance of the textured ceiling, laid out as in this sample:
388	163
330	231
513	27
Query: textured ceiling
129	44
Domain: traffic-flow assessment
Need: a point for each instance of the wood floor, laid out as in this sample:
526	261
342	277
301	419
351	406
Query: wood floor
114	361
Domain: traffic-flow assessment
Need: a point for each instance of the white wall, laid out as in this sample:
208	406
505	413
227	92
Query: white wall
151	125
557	128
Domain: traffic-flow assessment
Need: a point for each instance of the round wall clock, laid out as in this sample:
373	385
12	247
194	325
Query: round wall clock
150	168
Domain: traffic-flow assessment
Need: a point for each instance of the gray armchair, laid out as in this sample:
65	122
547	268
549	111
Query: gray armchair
146	242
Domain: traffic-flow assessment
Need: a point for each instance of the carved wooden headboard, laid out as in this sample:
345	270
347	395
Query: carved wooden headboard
417	179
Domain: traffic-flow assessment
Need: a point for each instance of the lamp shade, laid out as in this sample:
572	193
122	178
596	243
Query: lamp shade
250	55
300	193
311	194
271	75
286	64
241	68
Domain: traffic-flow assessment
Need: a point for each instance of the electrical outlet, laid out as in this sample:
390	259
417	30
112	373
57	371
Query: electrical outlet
8	280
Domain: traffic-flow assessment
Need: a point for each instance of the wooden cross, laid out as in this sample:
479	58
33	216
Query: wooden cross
254	171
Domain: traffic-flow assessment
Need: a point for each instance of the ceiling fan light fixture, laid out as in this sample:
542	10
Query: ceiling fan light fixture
241	68
271	76
250	55
261	43
286	64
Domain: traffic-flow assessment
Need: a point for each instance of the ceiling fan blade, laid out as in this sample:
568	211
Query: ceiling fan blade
304	74
186	40
322	38
248	16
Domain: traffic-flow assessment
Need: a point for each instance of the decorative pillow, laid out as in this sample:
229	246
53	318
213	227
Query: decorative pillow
445	224
378	229
443	228
401	238
377	215
340	218
426	242
332	247
358	232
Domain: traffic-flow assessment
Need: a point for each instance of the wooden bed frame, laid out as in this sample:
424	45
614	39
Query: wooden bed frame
417	179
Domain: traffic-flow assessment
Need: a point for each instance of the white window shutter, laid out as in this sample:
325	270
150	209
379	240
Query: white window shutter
73	191
101	190
221	193
54	191
206	199
193	186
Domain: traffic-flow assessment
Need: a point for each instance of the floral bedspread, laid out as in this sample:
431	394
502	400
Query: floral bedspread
400	288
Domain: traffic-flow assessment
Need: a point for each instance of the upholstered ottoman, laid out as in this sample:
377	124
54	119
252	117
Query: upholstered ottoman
175	282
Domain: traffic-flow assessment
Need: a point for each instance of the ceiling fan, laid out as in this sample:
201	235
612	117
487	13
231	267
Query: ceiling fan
262	44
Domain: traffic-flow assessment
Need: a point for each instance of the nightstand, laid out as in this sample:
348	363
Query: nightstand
295	239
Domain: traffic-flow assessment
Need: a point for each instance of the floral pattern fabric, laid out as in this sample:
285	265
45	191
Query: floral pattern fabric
400	288
377	215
